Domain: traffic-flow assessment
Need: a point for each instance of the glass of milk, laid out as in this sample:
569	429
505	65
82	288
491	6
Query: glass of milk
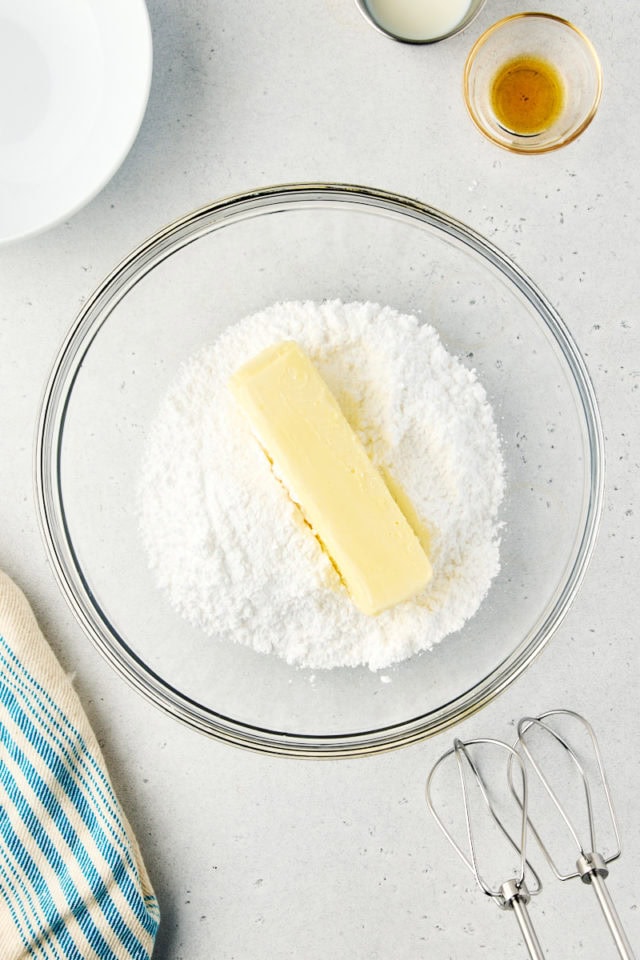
420	21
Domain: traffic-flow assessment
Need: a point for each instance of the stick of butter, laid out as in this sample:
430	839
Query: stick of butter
328	474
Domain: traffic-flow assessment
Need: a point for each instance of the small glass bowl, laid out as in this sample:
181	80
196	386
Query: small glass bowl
522	40
393	23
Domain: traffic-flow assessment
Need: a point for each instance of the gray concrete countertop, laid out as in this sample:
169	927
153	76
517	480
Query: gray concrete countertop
254	857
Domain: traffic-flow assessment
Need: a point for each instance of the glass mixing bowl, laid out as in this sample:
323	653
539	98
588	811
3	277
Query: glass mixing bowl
176	293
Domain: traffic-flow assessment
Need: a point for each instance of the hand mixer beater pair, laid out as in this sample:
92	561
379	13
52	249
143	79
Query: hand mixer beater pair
514	894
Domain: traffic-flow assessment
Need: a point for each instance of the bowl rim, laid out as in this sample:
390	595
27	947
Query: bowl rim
68	571
517	147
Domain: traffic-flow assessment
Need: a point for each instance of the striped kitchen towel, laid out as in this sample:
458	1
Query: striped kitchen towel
72	882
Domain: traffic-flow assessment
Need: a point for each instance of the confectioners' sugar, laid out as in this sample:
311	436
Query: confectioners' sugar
232	551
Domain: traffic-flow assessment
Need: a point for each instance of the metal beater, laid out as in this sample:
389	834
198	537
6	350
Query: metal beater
513	894
591	866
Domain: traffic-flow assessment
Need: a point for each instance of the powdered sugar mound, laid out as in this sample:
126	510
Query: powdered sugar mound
232	551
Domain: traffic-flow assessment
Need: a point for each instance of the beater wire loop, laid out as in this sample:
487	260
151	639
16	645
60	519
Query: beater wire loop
513	894
591	866
543	724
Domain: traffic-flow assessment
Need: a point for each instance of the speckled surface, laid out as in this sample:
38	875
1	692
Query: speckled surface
254	857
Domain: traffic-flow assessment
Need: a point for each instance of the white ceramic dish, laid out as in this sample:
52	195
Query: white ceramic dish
74	84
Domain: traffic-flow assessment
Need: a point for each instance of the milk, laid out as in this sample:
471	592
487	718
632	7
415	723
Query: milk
418	19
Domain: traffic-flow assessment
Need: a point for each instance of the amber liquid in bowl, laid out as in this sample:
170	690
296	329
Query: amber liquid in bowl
527	95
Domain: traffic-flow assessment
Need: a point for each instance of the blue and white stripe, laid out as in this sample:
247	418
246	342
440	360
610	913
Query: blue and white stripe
72	882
